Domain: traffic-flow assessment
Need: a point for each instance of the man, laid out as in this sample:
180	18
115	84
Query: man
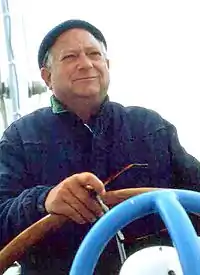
49	158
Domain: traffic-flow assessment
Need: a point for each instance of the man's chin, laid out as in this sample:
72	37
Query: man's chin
92	98
88	94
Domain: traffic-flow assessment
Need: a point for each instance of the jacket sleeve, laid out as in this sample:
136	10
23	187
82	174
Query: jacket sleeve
185	168
19	205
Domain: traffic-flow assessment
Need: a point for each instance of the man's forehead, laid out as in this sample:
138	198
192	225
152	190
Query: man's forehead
76	38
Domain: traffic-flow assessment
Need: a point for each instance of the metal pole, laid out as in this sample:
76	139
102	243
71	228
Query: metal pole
12	77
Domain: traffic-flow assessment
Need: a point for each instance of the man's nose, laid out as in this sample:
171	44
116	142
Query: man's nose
84	62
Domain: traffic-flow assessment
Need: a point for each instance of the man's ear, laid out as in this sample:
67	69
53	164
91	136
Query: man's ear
46	76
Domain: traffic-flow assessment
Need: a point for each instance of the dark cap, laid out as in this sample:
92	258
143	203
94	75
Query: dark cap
53	34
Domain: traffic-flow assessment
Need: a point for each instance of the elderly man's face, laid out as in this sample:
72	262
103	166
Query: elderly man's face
78	67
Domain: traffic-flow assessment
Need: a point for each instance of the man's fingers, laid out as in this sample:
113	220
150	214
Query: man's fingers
87	179
87	211
68	211
82	200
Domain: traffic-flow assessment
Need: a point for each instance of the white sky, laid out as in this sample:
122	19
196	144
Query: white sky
154	50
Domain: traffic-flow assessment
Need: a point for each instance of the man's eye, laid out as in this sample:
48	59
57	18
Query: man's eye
95	53
69	57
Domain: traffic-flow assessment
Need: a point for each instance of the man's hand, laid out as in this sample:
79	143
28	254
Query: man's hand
72	198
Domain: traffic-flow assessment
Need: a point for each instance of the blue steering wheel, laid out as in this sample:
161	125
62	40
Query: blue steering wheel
169	204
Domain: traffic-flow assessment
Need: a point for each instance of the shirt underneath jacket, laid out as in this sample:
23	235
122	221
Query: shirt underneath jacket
41	149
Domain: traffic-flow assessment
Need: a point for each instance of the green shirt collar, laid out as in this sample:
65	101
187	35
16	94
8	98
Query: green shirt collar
57	106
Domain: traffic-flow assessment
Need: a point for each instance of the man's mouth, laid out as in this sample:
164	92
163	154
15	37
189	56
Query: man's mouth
85	78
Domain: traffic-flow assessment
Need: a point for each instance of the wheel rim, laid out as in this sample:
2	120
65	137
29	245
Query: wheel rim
169	204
